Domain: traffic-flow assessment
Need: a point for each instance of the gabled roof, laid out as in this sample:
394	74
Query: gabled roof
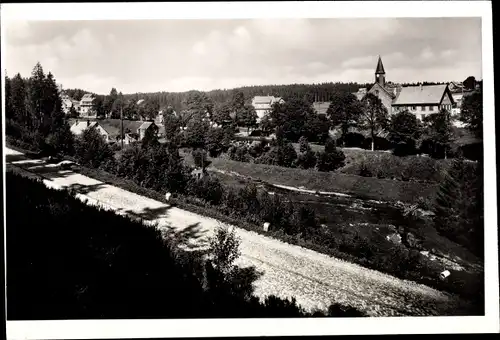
388	91
266	99
113	126
80	125
321	107
87	97
146	125
380	67
425	94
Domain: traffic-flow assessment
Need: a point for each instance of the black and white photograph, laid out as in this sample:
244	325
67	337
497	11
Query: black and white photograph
249	168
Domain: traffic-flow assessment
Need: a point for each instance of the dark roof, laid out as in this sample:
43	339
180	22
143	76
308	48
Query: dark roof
380	67
113	126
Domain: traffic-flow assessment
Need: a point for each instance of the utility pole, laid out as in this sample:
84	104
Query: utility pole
121	123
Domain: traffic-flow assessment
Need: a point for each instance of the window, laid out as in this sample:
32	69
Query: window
423	108
431	108
414	108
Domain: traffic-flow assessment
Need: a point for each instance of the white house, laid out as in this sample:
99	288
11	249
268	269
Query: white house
86	106
423	100
264	104
81	125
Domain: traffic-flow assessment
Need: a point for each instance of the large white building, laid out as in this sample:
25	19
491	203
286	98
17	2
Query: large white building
264	104
86	106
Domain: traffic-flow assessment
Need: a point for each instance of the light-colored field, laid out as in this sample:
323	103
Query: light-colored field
314	279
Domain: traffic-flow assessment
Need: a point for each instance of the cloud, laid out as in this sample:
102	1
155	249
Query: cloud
177	55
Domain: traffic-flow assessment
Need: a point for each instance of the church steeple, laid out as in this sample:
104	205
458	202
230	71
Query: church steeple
380	73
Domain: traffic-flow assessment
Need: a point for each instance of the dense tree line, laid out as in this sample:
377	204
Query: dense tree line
309	92
34	114
107	266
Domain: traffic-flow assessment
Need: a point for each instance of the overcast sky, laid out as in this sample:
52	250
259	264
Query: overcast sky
180	55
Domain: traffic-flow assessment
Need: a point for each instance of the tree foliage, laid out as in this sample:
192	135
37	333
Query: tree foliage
374	115
91	148
35	114
459	208
438	131
296	118
404	131
344	111
331	159
471	112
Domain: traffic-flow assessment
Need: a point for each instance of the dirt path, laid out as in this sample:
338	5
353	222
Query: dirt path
314	279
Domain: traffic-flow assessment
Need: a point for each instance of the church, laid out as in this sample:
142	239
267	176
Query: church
420	100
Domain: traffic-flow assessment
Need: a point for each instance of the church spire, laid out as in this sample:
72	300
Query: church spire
380	67
380	73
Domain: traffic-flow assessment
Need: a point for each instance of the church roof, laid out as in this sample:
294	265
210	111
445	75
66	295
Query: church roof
380	67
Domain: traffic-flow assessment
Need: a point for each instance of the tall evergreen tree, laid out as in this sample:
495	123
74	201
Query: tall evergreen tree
459	206
36	98
9	113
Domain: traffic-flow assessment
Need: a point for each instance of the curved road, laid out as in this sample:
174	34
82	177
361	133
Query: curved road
315	280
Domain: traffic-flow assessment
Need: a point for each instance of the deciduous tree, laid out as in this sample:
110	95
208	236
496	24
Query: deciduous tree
344	111
374	115
471	112
438	130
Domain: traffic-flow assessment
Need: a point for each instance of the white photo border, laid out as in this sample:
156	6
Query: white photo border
283	327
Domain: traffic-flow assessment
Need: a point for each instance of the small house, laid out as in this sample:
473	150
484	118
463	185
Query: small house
145	127
81	125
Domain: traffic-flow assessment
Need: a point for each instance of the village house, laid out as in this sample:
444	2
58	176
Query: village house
264	104
423	100
86	106
145	126
81	125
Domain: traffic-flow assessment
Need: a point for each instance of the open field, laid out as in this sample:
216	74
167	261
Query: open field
363	187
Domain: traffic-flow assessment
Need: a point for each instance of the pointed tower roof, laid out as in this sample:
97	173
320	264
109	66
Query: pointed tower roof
380	67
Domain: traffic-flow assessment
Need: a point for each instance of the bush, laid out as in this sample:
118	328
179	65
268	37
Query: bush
200	158
207	188
224	249
239	153
330	161
380	143
91	149
306	160
472	151
364	170
281	155
405	148
353	140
